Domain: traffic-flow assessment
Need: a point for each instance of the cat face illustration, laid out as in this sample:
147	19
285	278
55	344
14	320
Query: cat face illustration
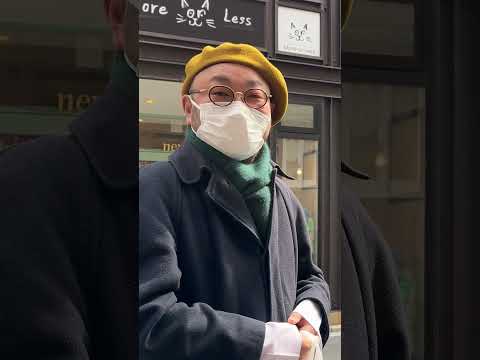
299	33
196	17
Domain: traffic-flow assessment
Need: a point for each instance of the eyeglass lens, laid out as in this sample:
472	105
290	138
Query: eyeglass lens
223	96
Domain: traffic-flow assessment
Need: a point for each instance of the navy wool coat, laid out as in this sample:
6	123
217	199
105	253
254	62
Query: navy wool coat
207	283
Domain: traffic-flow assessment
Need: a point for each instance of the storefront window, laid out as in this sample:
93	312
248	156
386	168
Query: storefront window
299	159
299	115
383	135
161	119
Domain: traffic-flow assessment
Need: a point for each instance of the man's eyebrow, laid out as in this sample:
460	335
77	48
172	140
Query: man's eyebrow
254	83
221	79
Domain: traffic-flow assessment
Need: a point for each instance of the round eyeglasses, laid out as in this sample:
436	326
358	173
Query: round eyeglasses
223	96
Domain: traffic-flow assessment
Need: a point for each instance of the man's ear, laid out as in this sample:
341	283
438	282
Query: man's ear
187	109
130	34
115	12
272	107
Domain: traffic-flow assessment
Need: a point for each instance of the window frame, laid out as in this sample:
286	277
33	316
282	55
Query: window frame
409	63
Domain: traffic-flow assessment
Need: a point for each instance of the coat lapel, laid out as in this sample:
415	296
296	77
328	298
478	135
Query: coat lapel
105	132
224	194
272	232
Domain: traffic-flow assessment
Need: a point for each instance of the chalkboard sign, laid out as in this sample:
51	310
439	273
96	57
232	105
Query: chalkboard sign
205	20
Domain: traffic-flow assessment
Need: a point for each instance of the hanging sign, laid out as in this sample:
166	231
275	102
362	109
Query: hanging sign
205	20
298	32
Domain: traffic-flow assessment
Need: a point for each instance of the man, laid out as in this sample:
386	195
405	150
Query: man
224	257
69	229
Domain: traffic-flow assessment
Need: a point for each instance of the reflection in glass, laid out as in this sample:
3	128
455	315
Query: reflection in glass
161	119
299	115
383	135
53	65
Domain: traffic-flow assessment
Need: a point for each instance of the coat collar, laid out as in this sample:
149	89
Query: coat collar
281	172
347	169
108	134
190	164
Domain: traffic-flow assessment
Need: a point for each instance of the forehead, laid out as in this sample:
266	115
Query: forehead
235	75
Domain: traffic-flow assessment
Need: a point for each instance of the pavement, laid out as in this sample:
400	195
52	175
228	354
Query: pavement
332	350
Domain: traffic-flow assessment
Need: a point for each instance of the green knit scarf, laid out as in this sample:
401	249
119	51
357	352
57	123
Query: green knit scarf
252	180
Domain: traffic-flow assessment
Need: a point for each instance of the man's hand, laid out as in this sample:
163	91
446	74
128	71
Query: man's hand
309	341
297	319
308	333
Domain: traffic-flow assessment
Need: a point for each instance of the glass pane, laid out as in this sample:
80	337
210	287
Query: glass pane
365	112
380	28
402	224
408	114
53	65
161	119
299	158
383	135
299	115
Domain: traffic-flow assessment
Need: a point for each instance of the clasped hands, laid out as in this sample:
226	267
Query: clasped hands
305	330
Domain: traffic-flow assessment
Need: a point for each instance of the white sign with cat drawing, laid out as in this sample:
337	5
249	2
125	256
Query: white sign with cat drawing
298	32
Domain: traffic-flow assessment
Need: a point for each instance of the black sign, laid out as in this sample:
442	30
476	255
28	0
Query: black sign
206	20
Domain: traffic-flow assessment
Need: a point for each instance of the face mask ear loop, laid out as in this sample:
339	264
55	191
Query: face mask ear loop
193	102
278	122
129	63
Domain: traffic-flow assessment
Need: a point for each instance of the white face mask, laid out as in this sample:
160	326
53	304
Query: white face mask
235	130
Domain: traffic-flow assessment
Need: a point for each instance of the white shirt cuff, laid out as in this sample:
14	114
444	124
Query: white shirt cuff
310	312
282	342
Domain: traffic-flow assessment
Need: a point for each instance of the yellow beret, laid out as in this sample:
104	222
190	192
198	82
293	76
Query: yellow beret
243	54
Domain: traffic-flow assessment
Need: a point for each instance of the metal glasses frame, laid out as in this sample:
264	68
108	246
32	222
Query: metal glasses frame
267	96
